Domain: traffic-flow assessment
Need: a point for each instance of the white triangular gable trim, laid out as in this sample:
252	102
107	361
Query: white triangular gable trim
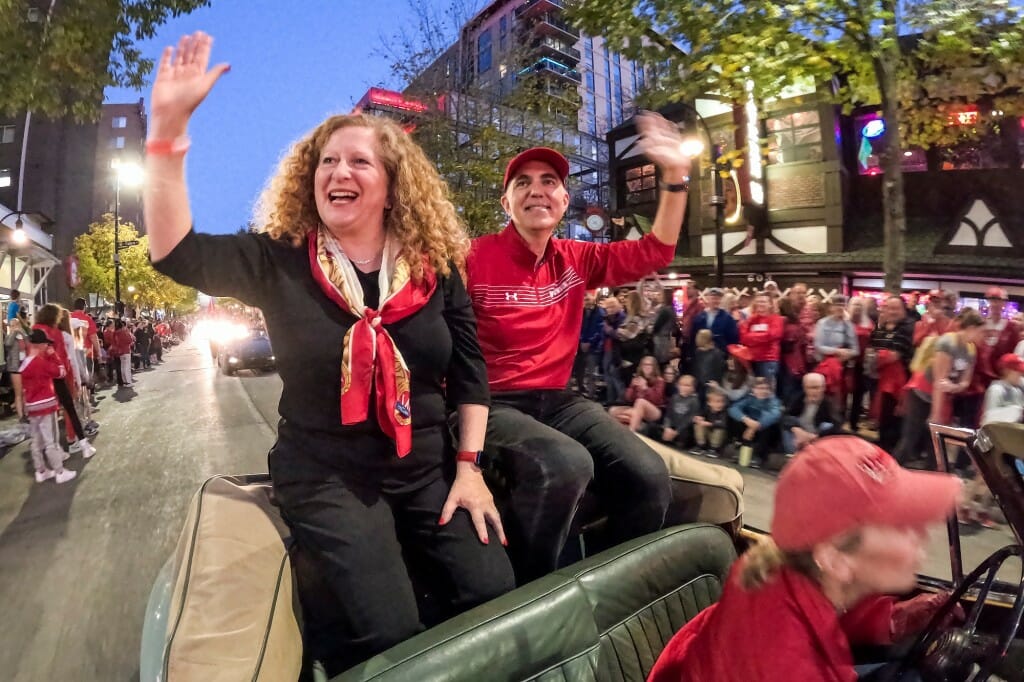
965	236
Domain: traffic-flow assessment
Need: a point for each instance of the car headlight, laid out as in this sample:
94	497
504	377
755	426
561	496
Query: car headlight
233	360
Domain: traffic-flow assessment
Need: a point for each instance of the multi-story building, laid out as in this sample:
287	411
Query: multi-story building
60	174
121	138
586	89
811	208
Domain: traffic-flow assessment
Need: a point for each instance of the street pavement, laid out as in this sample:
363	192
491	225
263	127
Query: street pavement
77	560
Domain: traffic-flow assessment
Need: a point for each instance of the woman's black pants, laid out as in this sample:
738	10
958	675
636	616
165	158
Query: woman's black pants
60	387
369	545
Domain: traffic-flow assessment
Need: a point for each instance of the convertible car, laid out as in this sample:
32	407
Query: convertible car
235	599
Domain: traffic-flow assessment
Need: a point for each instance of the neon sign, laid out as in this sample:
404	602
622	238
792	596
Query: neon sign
964	118
390	98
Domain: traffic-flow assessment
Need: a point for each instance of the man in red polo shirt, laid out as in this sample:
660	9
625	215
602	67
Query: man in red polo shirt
527	290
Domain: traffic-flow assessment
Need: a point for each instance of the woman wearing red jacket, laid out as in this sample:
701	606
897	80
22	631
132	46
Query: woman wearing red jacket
762	333
848	530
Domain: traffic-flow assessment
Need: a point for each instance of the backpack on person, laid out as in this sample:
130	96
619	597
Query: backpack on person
924	353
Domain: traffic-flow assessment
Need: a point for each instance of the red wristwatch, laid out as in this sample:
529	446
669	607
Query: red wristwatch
477	457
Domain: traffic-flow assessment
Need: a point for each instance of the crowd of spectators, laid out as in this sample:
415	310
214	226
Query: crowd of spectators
749	375
56	362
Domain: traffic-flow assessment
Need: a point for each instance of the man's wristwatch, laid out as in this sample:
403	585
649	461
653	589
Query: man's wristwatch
683	186
477	457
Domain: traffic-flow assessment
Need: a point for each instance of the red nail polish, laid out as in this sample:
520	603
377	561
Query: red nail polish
486	541
440	521
504	543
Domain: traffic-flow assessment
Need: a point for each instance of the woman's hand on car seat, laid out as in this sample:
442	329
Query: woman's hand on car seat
470	492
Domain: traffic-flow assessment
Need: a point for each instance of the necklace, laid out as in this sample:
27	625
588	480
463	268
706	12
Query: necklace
360	262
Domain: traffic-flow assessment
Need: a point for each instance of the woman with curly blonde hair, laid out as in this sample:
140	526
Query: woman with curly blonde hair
357	272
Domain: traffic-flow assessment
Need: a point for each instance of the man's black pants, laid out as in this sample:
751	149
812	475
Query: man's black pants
550	445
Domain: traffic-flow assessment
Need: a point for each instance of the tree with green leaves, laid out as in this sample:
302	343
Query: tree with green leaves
95	252
962	52
56	63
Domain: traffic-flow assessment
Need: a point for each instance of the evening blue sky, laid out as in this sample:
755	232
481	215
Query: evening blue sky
292	64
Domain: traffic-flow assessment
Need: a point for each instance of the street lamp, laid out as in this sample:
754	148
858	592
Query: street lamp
18	237
695	148
130	175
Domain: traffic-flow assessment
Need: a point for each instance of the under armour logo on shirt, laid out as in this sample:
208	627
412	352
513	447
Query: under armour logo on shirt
511	296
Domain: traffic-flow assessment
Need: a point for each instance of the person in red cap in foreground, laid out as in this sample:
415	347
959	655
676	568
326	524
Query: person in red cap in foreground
848	531
527	290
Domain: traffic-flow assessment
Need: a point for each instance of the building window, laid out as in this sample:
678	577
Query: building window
503	32
117	142
119	122
641	185
6	134
483	52
794	137
5	177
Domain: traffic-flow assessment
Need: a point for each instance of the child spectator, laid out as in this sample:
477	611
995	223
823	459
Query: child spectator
809	415
708	363
752	419
737	380
677	426
669	375
1004	399
711	427
38	372
645	396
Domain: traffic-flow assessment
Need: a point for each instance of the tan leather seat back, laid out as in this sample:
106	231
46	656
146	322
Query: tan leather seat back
233	613
701	491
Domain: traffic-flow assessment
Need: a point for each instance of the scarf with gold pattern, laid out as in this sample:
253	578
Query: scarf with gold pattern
370	357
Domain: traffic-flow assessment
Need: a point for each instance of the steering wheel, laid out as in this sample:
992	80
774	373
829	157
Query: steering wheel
941	654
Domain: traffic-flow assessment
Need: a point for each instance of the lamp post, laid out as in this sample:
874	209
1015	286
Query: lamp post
129	174
718	198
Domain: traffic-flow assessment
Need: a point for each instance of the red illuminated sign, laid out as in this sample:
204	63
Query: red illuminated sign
390	98
964	118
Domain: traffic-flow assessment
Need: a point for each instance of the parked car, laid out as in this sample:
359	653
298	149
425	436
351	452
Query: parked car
252	352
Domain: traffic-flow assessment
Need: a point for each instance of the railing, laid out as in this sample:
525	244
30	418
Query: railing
560	46
537	5
554	67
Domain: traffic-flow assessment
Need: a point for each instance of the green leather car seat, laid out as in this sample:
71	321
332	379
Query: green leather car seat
605	618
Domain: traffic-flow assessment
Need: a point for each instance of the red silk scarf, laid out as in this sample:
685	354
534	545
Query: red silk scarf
370	357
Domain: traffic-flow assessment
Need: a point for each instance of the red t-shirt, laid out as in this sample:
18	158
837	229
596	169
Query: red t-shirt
528	314
784	631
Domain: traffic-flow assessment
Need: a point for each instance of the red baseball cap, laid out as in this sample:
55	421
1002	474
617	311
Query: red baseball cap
840	483
996	292
1010	361
559	163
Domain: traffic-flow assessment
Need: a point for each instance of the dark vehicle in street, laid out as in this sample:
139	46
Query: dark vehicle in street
252	352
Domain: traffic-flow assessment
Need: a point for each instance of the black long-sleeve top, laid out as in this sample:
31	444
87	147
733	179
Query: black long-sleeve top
899	339
307	329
